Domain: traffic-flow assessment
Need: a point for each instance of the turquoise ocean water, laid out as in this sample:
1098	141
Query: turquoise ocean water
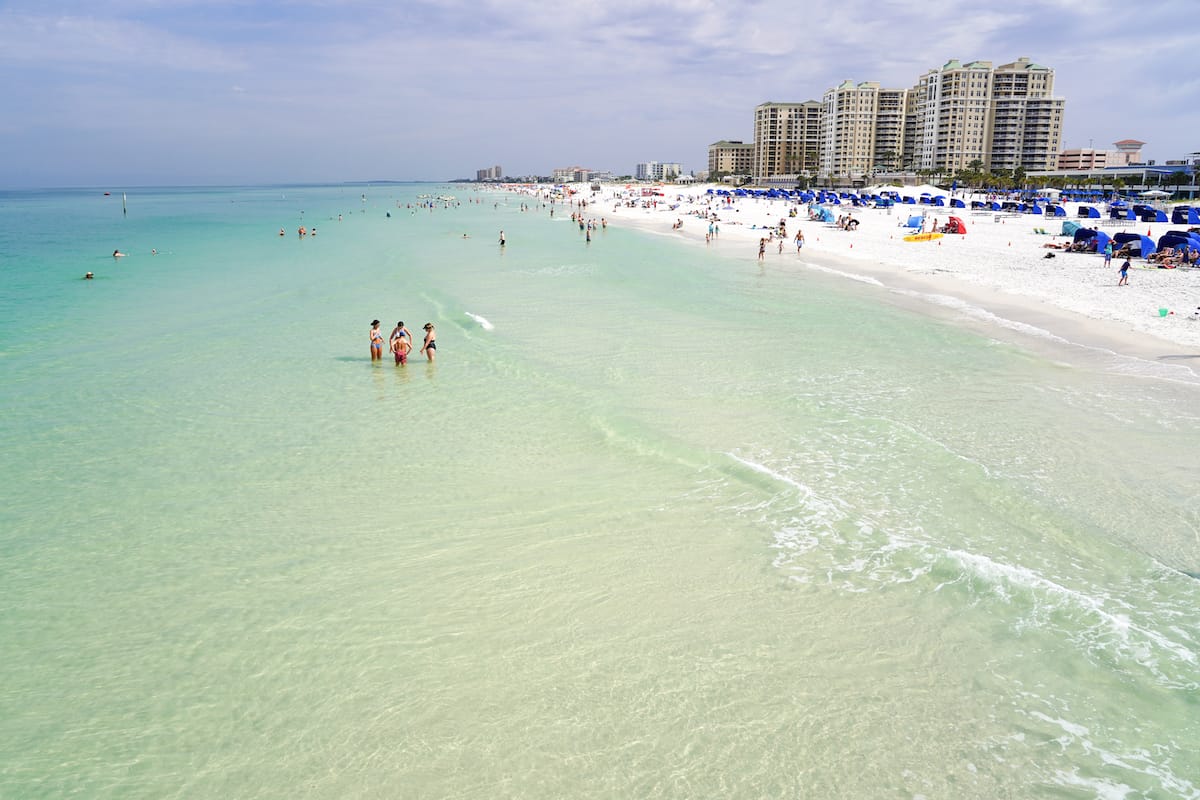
671	524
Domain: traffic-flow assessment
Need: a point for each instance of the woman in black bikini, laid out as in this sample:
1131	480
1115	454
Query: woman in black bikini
430	346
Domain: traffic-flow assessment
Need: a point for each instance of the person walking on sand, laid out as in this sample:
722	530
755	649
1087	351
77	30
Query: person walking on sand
376	342
1124	270
1108	253
429	347
799	241
400	349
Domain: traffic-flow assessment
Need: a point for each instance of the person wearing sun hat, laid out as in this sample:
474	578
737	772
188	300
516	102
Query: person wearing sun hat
376	342
429	346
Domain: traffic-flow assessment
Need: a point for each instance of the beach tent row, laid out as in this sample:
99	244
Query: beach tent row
1014	207
1120	210
825	197
1140	246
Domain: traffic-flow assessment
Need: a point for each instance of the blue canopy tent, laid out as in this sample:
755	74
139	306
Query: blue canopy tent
1034	209
957	203
1141	246
883	202
915	221
1183	239
824	214
1185	215
1118	212
1055	211
1069	228
1089	212
1195	237
908	199
1094	239
996	206
940	200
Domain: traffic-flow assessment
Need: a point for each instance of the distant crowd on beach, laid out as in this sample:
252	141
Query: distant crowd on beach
401	342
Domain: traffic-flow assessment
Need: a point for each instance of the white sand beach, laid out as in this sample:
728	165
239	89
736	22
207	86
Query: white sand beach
996	273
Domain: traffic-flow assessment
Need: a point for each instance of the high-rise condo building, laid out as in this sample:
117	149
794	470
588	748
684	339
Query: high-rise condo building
955	117
787	138
1027	119
862	129
1004	118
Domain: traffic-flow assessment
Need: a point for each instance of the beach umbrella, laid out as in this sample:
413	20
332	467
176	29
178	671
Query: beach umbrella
1159	193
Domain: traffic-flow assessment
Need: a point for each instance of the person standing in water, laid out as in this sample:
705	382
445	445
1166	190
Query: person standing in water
376	342
502	238
400	349
429	347
399	332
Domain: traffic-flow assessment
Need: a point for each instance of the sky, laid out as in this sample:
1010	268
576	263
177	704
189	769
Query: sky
175	92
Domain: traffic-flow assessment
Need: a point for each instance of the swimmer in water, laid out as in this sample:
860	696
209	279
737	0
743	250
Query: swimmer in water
88	276
376	342
118	254
429	347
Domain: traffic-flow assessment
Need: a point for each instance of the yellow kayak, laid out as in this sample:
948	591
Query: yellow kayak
922	237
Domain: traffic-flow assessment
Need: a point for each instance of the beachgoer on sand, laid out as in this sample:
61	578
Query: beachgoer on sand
1124	270
1108	252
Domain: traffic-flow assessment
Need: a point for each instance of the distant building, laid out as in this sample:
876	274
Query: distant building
730	158
490	174
579	175
657	171
1083	159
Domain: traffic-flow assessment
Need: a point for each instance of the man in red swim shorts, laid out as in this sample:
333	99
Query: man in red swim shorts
400	349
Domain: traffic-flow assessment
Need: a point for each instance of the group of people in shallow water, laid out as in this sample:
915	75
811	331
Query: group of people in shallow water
400	342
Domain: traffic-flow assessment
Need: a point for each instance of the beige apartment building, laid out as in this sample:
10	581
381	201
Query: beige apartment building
787	138
862	130
848	113
955	116
1004	117
730	158
950	116
1026	118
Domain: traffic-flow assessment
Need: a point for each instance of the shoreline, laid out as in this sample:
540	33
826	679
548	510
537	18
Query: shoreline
995	280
